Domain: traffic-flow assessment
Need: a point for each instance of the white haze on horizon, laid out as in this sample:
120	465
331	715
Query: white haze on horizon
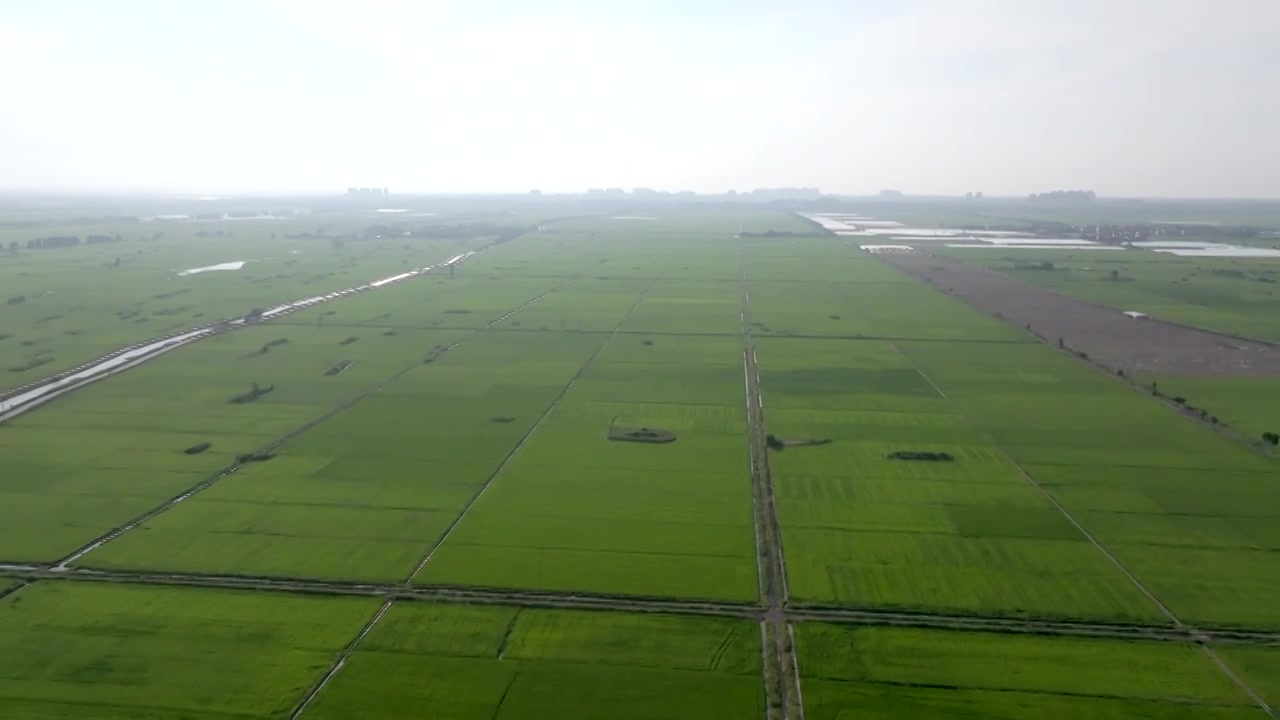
1175	98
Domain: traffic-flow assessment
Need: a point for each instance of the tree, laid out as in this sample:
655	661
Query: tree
1270	437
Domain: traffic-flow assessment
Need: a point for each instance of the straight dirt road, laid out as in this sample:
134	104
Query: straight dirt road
782	672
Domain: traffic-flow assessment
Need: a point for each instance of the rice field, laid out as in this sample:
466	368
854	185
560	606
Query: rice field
976	535
449	437
119	651
893	673
493	662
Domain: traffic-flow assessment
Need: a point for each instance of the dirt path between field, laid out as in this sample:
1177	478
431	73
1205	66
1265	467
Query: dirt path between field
277	442
659	605
782	672
341	661
1106	336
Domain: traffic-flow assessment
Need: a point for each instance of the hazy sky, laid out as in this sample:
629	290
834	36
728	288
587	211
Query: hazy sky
1127	97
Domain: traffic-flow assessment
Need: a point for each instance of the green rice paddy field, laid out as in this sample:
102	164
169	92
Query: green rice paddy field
464	446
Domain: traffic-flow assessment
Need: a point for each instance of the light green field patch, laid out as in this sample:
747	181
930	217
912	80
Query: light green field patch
984	575
120	651
460	662
891	673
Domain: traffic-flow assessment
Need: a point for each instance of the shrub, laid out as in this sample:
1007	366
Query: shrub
921	455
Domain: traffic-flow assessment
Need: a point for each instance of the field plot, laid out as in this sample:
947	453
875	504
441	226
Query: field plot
675	307
364	494
1188	511
131	434
866	530
468	301
622	253
1250	405
884	673
847	294
1258	666
1238	296
584	305
119	651
575	510
478	663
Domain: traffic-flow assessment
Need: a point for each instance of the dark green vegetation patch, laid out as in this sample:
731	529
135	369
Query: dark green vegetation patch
641	435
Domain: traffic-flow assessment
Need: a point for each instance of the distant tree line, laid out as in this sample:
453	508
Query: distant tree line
62	241
777	234
1065	196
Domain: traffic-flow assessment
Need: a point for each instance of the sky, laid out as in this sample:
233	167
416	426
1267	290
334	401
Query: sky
1151	98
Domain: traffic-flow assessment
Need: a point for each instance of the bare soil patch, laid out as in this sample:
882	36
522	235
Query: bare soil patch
1102	335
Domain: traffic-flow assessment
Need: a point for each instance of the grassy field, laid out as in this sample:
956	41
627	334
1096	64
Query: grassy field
898	673
1259	666
1249	405
120	651
493	662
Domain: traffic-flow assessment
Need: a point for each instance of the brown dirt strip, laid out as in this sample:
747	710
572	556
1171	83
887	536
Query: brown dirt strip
783	673
1142	347
277	442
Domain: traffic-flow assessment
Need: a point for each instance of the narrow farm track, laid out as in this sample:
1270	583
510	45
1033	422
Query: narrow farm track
277	442
782	676
593	601
1093	540
11	590
524	440
342	659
